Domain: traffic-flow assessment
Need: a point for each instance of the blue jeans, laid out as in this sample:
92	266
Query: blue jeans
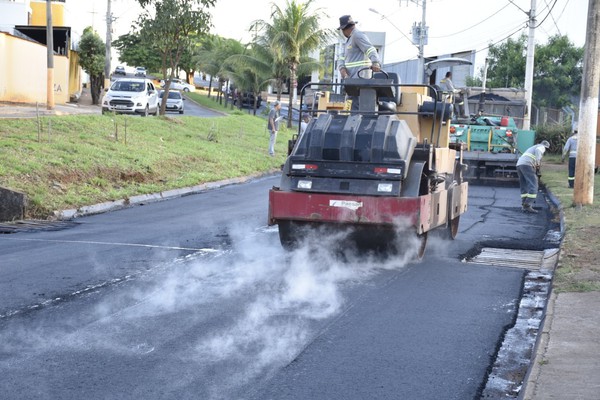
272	140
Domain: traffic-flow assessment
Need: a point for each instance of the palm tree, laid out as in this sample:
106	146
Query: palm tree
268	55
293	33
212	55
252	70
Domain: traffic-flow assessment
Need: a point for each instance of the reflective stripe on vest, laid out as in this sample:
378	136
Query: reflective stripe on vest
531	155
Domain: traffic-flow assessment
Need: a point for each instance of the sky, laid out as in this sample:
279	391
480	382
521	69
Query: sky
454	25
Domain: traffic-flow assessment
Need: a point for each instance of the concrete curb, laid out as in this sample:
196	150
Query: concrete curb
149	198
541	345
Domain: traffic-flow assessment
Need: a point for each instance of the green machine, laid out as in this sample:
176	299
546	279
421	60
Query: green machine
492	145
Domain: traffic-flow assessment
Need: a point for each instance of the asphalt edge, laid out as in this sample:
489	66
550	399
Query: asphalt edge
541	344
68	214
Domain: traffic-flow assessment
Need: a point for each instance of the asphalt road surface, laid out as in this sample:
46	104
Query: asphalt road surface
193	298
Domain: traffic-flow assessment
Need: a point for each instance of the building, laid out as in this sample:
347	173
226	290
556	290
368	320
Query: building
407	70
23	65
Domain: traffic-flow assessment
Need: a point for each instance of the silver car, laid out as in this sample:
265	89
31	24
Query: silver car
174	101
178	84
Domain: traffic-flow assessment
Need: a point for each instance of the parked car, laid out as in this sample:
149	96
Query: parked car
120	70
140	71
247	100
174	100
131	96
178	84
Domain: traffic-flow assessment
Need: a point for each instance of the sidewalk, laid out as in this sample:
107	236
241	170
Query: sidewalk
566	364
20	110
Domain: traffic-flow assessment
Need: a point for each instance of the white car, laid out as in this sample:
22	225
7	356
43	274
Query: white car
140	71
174	100
131	96
178	84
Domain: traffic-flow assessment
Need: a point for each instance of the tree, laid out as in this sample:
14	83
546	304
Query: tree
507	64
134	51
92	53
251	71
293	33
266	53
204	58
170	27
557	73
212	55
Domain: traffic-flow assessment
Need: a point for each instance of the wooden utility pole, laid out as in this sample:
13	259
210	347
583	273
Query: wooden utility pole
583	193
50	57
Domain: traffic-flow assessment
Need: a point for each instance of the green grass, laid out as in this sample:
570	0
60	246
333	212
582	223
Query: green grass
86	159
578	268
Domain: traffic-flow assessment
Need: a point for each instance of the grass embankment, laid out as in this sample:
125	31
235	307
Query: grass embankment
77	160
89	159
579	269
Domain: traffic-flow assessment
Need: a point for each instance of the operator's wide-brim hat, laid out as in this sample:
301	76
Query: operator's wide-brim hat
346	21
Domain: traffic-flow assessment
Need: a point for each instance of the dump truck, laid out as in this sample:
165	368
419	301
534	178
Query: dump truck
493	145
385	174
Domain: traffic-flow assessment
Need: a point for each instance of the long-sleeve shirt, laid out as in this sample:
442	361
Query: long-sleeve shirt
273	120
532	156
359	53
570	147
447	85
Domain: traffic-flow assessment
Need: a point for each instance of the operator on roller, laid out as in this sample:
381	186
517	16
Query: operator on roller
359	53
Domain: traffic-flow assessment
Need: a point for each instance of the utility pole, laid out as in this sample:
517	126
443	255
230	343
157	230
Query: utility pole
529	67
109	20
583	192
50	57
483	86
422	31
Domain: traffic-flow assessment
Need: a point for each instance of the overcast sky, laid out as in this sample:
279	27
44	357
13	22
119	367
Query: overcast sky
454	25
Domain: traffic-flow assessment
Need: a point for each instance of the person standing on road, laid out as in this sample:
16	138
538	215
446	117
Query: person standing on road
273	126
359	53
528	167
571	149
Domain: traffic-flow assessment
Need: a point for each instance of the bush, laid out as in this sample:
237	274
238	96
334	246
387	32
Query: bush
556	134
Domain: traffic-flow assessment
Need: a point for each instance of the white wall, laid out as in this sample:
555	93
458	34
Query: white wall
12	13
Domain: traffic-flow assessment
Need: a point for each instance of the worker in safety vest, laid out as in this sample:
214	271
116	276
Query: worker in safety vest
359	53
528	167
571	149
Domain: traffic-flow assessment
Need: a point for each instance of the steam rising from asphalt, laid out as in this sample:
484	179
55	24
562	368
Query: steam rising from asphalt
291	295
269	304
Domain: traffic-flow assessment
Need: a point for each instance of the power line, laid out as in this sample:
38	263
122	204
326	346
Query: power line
473	26
501	40
553	19
512	2
549	12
